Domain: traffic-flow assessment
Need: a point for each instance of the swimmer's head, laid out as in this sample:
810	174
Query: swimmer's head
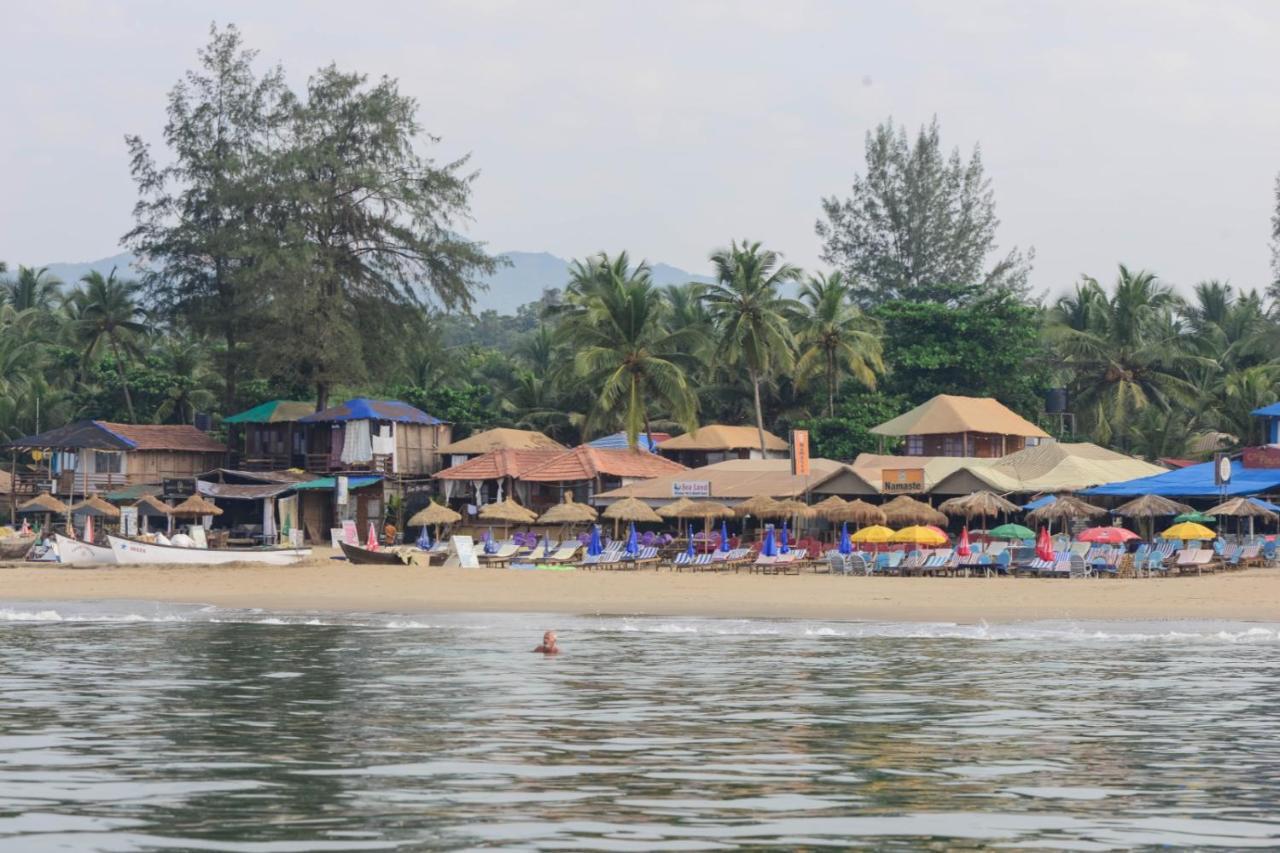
549	639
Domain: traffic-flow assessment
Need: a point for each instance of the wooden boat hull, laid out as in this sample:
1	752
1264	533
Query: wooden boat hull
16	547
72	552
364	557
130	552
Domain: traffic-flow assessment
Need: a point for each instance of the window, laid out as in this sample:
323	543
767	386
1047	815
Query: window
952	445
915	445
107	463
1032	441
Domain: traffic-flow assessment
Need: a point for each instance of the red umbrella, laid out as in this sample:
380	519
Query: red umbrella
1044	546
1107	535
963	549
372	544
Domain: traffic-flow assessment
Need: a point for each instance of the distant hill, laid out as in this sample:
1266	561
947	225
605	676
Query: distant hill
530	273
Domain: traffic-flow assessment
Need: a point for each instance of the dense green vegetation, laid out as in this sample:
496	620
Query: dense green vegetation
301	245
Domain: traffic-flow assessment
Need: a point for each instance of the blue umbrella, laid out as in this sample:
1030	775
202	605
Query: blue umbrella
786	548
489	546
633	547
593	547
724	535
424	539
689	550
547	550
770	544
846	545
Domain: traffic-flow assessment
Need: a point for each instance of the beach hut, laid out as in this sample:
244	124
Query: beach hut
46	504
831	508
982	503
905	509
708	511
149	506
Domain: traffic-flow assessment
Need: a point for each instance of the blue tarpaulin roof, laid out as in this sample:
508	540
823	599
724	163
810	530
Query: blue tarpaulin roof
1039	502
362	408
1264	504
332	483
1272	411
1196	481
618	441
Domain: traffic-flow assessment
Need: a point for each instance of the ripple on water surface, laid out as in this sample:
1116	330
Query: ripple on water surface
141	727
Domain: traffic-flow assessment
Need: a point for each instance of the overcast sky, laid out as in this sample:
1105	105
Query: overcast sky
1145	132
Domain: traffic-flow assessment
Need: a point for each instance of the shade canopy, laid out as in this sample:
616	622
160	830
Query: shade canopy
434	514
1150	506
705	509
152	505
1107	535
195	506
569	512
43	502
794	507
875	534
1065	508
858	511
831	508
919	535
1242	508
905	509
979	503
632	509
673	509
1011	531
1195	517
94	505
1188	530
761	506
508	511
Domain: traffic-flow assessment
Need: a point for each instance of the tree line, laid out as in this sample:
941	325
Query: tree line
301	245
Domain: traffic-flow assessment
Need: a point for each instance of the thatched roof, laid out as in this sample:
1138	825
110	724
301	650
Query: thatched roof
152	505
979	503
706	509
632	509
508	511
43	502
1065	508
905	509
761	506
673	509
568	512
831	508
793	507
1241	508
1150	506
433	514
197	505
859	511
94	505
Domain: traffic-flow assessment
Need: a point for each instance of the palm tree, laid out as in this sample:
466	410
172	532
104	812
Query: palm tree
109	317
614	318
1124	350
186	361
835	337
32	289
751	315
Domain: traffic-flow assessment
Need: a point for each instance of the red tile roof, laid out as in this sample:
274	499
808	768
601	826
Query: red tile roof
183	437
497	464
587	463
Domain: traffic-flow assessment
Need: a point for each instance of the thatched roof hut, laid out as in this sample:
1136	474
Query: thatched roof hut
508	512
979	503
196	506
568	512
43	502
904	510
434	515
94	505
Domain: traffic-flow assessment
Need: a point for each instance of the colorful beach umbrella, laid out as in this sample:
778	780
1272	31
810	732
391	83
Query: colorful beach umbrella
1195	517
1044	545
371	542
594	548
724	536
785	547
876	534
770	548
424	540
1106	535
88	529
918	534
633	546
962	547
1011	531
1188	530
846	546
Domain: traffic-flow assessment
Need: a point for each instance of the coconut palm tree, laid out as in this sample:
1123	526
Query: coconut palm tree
109	317
614	320
834	337
33	289
751	314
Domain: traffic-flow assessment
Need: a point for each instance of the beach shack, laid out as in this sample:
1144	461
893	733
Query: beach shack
645	441
499	438
249	501
325	503
586	471
736	480
948	425
268	436
384	436
718	442
493	476
91	456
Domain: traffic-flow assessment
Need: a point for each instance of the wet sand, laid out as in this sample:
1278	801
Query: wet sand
330	585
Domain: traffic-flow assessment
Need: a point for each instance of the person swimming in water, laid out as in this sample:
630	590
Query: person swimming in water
548	646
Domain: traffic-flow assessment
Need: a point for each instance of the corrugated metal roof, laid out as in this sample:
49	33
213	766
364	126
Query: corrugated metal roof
332	483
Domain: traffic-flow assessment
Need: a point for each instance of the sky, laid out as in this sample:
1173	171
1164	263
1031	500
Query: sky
1146	133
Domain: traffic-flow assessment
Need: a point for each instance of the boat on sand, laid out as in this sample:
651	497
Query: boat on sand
73	552
364	557
130	552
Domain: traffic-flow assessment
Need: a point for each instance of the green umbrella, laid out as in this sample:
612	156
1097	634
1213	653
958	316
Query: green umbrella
1195	516
1011	531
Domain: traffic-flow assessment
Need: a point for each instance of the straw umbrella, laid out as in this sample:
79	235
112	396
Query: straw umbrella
151	505
673	510
1065	508
831	509
706	510
761	506
508	512
434	515
1150	507
905	509
630	509
567	513
96	506
45	503
858	511
1242	508
982	503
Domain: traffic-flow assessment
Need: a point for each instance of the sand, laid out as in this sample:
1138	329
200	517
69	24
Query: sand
328	585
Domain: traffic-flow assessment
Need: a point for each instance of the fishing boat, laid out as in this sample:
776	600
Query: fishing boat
15	547
363	556
73	552
131	552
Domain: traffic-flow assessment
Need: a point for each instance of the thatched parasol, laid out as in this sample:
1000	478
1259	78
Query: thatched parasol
43	502
673	509
569	512
978	503
1065	508
904	510
434	515
1243	508
831	508
795	508
152	505
508	512
858	511
1150	506
94	505
196	506
630	509
707	510
761	506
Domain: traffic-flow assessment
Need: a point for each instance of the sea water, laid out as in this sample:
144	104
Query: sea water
131	726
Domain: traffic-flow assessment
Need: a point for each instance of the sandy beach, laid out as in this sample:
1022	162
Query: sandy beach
330	585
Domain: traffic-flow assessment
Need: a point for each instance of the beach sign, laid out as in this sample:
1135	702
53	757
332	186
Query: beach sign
691	488
901	481
462	553
349	533
800	453
128	521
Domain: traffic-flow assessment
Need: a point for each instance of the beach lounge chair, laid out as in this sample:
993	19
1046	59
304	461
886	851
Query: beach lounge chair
500	558
836	563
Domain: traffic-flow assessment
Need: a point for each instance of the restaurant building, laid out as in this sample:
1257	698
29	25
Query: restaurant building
948	425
